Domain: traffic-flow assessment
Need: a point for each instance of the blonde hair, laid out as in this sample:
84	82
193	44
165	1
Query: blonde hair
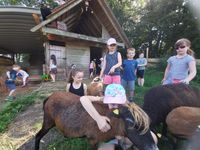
141	118
131	49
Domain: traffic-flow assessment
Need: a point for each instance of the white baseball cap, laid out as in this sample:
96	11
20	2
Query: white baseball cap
111	41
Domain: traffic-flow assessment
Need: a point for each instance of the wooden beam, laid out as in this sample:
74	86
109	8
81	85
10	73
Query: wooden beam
73	15
76	36
53	17
75	41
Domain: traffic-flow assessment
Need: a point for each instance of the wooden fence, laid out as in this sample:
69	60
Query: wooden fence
154	61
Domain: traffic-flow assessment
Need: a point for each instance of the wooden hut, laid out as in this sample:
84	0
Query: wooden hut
77	31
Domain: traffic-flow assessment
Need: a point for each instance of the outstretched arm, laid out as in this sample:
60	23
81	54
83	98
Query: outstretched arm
86	101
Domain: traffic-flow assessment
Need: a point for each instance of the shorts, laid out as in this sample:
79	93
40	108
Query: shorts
53	70
140	73
10	85
129	84
116	79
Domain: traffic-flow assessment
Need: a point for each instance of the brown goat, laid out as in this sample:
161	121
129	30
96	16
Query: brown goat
162	99
183	121
65	111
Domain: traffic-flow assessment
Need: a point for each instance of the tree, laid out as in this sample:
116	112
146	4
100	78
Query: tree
158	22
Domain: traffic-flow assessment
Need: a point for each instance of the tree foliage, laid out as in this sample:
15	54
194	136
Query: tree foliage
160	23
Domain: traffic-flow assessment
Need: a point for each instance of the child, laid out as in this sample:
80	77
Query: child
129	72
182	66
114	96
91	69
111	65
10	82
142	62
53	68
22	74
75	84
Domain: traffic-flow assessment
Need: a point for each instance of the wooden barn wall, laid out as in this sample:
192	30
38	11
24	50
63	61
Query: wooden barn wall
78	55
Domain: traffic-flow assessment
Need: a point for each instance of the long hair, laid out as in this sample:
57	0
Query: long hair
72	73
141	118
53	57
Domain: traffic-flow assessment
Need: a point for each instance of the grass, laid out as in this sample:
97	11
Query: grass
11	109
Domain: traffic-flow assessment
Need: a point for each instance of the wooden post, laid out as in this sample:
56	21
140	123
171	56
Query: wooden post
147	53
47	56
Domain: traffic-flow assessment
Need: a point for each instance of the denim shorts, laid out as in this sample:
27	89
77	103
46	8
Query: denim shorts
130	85
10	85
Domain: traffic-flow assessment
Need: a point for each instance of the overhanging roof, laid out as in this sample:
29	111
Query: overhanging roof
15	34
90	22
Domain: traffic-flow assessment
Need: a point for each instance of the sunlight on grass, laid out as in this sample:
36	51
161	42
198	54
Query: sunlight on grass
37	126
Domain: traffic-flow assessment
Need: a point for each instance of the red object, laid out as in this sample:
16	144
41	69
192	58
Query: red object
176	81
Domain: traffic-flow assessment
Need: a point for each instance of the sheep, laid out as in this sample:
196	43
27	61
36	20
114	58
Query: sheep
162	99
65	111
183	121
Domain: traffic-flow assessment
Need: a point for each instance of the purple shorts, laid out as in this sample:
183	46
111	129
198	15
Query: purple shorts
112	79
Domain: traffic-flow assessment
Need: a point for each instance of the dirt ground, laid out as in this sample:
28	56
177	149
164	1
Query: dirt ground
20	133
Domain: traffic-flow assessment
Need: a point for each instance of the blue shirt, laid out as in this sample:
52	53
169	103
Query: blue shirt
141	61
179	68
13	75
129	67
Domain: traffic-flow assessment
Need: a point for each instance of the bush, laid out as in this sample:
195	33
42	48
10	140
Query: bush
46	77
